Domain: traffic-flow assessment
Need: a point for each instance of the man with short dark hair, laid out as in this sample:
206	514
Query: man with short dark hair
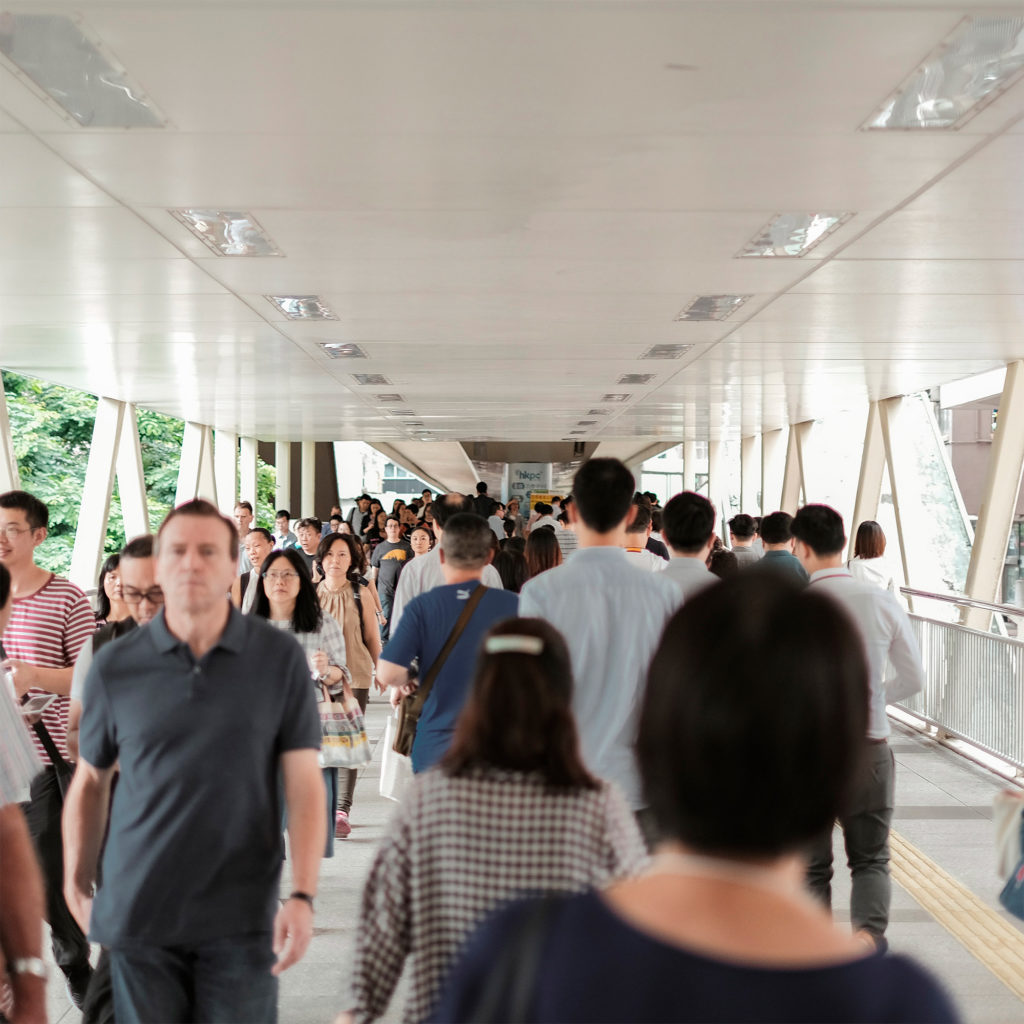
243	516
688	525
888	639
611	617
777	537
424	573
483	503
328	524
283	536
429	619
49	624
637	534
308	531
741	538
190	909
359	515
387	563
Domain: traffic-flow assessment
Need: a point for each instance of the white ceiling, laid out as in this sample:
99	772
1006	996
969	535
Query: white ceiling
506	204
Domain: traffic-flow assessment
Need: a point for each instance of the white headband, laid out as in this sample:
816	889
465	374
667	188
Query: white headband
513	645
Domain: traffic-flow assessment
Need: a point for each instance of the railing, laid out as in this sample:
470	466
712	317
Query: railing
975	681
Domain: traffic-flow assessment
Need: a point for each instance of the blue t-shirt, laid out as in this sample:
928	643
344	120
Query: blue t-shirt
423	630
594	967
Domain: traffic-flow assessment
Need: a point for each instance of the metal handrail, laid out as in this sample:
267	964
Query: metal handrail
969	602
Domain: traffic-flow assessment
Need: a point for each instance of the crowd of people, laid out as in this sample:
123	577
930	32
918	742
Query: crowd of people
628	758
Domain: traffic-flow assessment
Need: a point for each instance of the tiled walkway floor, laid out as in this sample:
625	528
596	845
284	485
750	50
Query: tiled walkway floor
943	808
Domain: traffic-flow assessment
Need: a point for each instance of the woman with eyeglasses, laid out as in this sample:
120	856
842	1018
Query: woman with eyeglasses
344	594
286	599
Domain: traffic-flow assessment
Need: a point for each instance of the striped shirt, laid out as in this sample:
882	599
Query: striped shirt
48	629
460	847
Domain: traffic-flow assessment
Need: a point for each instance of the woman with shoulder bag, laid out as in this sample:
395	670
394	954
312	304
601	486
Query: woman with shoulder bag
344	594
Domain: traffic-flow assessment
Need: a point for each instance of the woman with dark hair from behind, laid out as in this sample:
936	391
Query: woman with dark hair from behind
747	749
510	810
868	562
542	551
512	568
110	603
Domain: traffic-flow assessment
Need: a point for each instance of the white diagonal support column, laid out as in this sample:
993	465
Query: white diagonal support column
225	462
888	416
869	483
794	483
131	483
689	465
717	485
283	465
1002	485
196	478
10	480
308	496
94	511
247	470
773	455
750	476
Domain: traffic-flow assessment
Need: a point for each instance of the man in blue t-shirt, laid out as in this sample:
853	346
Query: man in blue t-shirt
428	621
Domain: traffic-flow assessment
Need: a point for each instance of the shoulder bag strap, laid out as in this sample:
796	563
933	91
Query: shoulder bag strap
423	691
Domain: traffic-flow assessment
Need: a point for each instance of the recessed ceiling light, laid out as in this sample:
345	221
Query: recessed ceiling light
401	412
977	62
793	234
666	351
389	398
414	423
586	423
712	307
228	232
576	432
616	398
342	350
597	412
635	378
75	71
376	379
302	307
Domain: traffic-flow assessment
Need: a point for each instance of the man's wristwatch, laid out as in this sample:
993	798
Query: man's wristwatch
304	896
28	965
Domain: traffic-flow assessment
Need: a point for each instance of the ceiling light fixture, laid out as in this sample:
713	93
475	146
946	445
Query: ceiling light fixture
666	351
342	350
75	71
374	379
302	307
976	63
389	398
635	378
712	307
228	232
791	235
616	398
597	412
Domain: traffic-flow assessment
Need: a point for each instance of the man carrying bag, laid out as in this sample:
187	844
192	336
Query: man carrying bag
443	628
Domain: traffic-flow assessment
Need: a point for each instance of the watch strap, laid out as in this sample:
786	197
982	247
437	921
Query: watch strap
33	965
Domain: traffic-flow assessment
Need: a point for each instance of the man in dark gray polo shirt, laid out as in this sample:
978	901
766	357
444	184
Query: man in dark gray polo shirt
203	708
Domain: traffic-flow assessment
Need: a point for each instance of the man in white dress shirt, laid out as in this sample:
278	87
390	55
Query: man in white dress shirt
635	542
688	525
888	638
425	573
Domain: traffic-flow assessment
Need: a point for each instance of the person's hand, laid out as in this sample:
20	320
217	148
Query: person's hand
380	687
409	688
293	929
79	902
23	673
395	697
318	663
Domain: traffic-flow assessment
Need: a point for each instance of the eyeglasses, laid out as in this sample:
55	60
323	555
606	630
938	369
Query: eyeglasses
280	575
12	532
154	595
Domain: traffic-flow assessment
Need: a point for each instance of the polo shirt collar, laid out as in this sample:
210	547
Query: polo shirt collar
610	552
232	639
822	573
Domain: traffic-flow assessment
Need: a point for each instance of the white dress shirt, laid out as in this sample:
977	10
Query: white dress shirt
888	638
690	575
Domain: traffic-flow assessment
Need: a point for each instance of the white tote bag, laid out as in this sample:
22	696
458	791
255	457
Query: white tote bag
395	770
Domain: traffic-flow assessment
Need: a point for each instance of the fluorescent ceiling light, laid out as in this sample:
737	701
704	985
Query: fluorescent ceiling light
342	350
376	379
793	234
302	307
635	378
712	307
389	398
616	398
75	72
597	412
666	351
228	232
586	423
401	412
976	63
414	423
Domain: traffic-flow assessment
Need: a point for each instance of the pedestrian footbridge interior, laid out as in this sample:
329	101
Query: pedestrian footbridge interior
783	235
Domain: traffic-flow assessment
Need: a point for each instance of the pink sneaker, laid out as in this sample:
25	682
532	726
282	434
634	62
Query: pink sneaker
342	829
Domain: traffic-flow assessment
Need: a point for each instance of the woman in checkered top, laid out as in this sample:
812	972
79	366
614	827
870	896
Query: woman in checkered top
511	810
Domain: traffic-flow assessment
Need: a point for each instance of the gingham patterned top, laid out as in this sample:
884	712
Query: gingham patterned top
459	847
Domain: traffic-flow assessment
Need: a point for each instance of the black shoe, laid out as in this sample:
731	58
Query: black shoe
76	981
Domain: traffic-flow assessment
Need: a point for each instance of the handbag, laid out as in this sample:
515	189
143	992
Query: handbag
343	740
411	708
1009	823
61	769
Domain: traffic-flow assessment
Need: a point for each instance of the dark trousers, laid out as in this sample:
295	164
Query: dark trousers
218	981
98	1007
866	835
347	786
42	812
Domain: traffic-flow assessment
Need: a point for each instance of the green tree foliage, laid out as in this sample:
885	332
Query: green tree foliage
52	427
